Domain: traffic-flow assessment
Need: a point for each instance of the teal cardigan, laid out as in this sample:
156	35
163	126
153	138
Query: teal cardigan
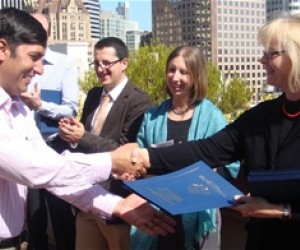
207	119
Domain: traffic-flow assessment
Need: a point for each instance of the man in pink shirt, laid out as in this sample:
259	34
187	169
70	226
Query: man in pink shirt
25	159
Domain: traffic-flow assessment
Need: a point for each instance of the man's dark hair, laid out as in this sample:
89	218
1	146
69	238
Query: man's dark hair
18	27
119	46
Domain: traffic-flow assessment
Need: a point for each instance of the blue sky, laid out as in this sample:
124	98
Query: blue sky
140	11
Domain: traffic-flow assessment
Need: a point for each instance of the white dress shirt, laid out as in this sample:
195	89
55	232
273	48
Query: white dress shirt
25	160
61	74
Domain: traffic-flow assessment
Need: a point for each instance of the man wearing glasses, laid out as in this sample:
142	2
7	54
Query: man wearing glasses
124	112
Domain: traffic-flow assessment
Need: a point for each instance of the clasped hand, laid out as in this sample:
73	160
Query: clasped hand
70	130
129	162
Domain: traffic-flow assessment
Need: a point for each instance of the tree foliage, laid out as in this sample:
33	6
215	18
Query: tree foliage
231	97
235	97
88	81
214	83
147	70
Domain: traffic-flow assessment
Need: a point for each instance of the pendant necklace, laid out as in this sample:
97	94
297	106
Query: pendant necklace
181	112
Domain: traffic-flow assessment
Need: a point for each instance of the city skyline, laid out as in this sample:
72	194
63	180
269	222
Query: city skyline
144	18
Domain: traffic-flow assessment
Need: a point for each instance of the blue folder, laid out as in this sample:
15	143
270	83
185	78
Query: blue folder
47	125
191	189
277	186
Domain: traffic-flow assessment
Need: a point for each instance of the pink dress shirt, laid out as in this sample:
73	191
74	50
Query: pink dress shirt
25	160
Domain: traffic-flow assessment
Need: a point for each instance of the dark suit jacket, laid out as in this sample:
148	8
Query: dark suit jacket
122	123
120	127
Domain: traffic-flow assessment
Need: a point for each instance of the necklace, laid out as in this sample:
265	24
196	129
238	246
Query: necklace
287	114
180	112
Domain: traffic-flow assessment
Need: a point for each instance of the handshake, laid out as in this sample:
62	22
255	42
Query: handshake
129	162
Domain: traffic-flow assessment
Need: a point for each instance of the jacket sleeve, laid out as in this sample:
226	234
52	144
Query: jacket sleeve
218	150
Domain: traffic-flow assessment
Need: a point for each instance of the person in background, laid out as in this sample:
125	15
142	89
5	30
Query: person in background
27	161
60	74
187	115
126	108
266	137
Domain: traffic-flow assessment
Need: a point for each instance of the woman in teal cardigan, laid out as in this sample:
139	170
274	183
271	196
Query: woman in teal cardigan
187	115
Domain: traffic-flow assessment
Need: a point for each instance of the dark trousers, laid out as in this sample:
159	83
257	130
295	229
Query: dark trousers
36	220
62	218
174	241
273	234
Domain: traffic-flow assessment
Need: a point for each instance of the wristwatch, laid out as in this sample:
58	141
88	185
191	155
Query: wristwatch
286	212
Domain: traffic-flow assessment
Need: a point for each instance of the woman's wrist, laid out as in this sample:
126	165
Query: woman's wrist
278	211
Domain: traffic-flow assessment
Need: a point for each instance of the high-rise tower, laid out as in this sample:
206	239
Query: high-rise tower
123	10
225	30
276	8
12	3
93	8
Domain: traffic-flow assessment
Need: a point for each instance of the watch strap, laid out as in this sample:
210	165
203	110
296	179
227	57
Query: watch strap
286	212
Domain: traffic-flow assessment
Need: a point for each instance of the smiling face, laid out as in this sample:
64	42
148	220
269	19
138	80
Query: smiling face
179	80
17	69
277	65
109	68
282	69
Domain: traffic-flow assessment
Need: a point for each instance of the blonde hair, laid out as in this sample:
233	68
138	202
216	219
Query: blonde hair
197	68
285	31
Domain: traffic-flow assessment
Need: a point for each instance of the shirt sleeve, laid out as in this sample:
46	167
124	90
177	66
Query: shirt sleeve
70	90
27	160
92	198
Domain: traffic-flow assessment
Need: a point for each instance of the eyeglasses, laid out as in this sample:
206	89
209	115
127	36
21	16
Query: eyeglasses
105	64
272	54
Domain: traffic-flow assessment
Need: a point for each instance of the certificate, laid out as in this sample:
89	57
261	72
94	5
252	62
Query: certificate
191	189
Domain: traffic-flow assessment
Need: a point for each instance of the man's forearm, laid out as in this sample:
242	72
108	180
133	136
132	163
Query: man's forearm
57	111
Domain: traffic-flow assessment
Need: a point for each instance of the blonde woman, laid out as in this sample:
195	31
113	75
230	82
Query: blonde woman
266	137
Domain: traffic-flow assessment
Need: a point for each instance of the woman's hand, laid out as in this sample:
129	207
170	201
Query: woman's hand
257	207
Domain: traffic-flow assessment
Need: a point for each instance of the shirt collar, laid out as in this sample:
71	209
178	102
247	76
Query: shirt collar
49	57
6	101
4	98
116	91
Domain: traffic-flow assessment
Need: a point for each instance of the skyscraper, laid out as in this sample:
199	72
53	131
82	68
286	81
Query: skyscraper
279	7
93	7
123	10
225	30
113	24
12	3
